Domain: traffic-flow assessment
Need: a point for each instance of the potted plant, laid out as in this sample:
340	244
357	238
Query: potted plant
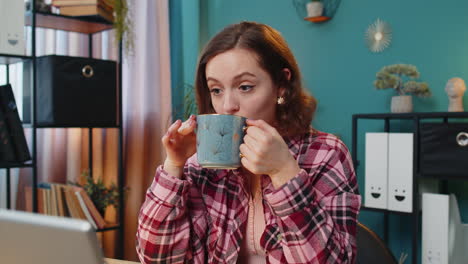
101	195
402	78
314	8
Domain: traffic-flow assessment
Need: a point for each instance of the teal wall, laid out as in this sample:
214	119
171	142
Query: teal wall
186	41
339	69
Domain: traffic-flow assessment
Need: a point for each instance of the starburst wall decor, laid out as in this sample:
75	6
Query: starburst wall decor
378	36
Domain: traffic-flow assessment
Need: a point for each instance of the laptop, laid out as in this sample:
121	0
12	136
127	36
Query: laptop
27	238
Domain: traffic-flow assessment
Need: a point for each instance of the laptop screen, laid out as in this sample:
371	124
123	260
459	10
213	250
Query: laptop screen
27	238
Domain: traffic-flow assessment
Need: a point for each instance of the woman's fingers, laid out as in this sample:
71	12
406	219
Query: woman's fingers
174	127
246	163
188	126
171	133
250	142
261	124
251	159
246	151
165	140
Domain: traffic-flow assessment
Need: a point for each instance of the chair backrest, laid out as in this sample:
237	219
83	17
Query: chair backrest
371	249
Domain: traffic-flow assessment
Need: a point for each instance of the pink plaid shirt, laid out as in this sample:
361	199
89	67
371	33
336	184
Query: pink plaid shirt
202	218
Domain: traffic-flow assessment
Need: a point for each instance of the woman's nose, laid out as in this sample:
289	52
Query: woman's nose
230	104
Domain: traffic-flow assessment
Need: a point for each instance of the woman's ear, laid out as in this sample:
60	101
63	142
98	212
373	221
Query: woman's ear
282	88
287	73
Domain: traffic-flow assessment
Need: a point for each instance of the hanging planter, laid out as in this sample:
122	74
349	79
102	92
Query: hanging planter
316	11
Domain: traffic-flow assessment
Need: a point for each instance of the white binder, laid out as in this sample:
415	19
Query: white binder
12	16
400	172
444	236
376	167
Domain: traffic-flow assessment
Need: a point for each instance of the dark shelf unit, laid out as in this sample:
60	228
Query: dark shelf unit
86	25
11	59
383	210
52	126
109	228
416	119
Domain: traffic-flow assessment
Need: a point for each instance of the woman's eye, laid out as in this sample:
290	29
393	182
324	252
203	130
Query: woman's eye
246	88
215	91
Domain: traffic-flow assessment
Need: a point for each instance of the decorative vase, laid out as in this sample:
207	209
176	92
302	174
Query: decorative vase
402	104
314	9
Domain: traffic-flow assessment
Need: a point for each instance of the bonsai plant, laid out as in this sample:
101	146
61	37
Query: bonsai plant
402	78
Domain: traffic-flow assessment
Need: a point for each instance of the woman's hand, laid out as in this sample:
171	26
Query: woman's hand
180	143
265	152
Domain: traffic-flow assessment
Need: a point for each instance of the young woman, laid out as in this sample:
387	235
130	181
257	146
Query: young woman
295	198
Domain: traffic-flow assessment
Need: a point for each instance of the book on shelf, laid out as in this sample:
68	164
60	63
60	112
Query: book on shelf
72	201
29	200
97	217
43	192
66	201
13	125
59	196
40	201
60	3
88	10
85	210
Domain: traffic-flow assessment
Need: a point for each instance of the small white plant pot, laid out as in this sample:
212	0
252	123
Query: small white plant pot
314	9
402	104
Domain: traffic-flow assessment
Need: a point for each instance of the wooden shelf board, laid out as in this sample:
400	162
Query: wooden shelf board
317	19
53	126
86	25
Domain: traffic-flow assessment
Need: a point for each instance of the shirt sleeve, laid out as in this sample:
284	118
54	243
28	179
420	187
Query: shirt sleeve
164	230
317	210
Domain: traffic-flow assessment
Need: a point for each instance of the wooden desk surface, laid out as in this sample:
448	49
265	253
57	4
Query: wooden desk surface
118	261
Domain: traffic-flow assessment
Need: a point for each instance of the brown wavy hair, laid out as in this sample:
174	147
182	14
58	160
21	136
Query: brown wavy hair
273	55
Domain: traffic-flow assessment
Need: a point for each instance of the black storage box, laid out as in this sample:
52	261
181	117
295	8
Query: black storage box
76	92
444	152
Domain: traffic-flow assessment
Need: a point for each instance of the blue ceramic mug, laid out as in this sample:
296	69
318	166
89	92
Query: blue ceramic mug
218	140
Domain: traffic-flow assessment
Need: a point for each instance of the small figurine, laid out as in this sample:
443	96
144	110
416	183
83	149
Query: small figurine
455	88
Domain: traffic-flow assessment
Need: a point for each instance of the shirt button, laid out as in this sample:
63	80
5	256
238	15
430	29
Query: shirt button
279	237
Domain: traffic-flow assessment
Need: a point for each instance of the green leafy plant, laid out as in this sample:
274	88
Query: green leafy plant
123	25
190	104
101	195
402	78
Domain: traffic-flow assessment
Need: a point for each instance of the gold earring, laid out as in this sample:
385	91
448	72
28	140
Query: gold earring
280	100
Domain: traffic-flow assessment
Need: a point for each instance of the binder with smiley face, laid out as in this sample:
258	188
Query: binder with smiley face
12	40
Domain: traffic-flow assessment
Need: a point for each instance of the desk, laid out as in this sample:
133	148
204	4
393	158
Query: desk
118	261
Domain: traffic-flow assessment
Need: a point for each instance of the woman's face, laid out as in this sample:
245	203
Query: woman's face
239	86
